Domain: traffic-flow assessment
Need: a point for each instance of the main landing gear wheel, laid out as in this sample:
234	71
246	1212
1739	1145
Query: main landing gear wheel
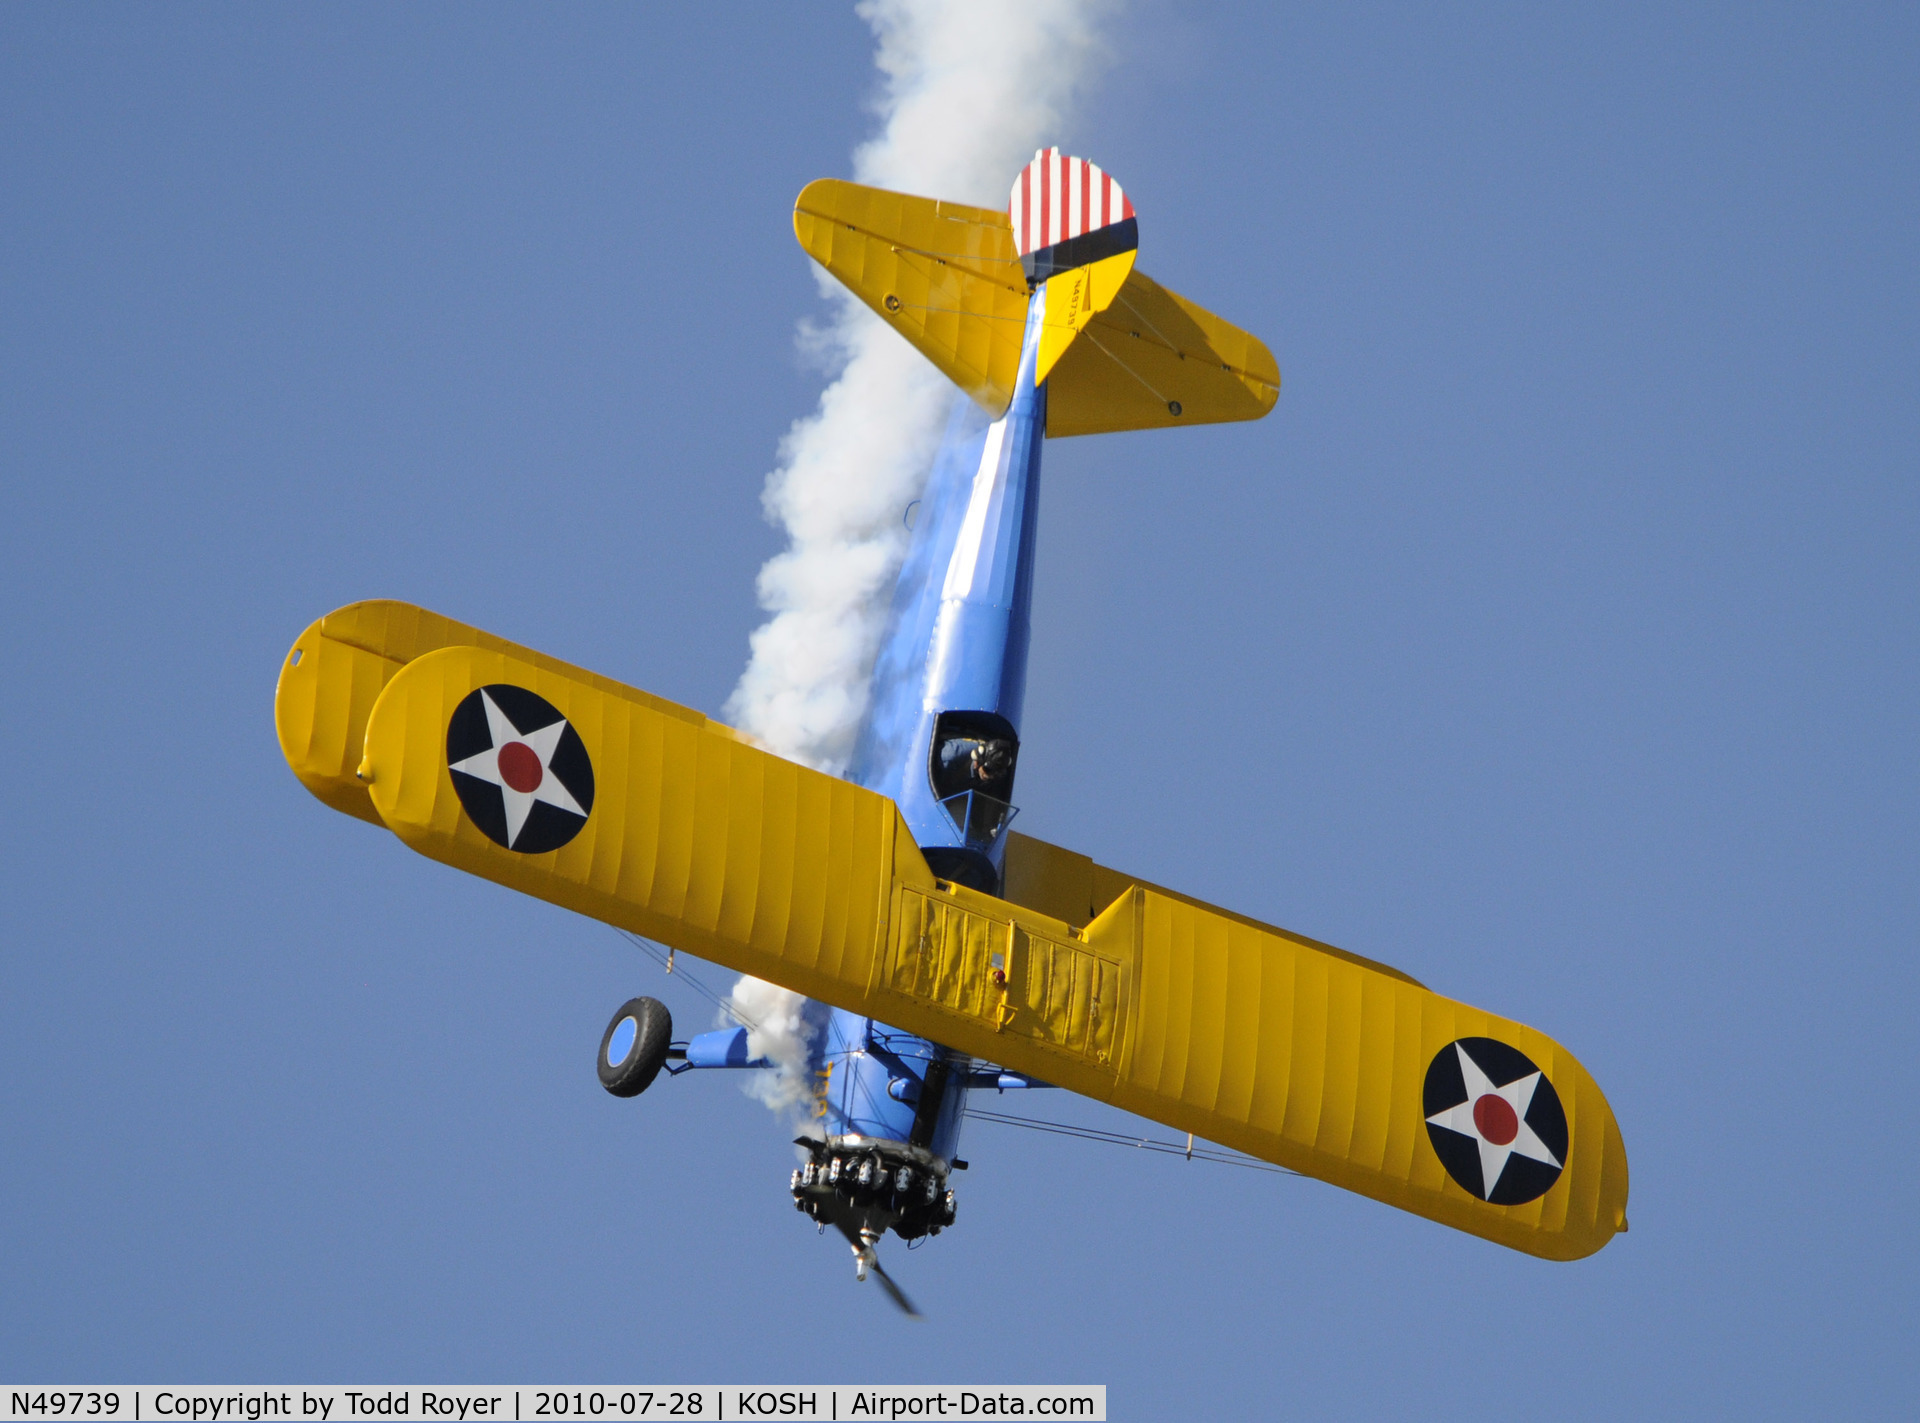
634	1046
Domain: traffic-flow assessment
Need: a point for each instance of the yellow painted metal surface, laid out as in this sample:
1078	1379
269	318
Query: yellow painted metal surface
944	275
1207	1021
1153	360
1069	886
335	669
1119	351
1074	298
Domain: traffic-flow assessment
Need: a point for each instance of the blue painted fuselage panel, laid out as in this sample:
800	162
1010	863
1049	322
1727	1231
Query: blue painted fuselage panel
956	640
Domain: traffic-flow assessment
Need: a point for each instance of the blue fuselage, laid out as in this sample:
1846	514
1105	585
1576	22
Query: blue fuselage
941	735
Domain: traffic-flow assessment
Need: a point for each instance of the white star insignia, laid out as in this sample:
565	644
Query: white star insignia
519	763
1505	1138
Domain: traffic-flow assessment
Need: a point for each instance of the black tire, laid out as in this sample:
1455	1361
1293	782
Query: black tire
646	1046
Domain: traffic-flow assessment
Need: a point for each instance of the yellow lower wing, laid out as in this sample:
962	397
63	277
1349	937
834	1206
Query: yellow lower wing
1209	1022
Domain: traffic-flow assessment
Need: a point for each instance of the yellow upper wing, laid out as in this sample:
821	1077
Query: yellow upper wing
343	661
947	277
1207	1021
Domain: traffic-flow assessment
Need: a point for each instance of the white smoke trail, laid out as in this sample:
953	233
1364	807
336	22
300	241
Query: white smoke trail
781	1026
970	89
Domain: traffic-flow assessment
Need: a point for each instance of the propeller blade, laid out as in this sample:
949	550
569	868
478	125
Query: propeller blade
894	1292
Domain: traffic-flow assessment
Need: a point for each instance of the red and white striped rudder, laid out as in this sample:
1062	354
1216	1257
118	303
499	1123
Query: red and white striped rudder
1067	213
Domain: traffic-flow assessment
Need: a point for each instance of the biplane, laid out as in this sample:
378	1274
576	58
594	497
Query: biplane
949	952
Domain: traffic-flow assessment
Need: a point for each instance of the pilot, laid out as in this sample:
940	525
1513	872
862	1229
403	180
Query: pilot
992	761
984	762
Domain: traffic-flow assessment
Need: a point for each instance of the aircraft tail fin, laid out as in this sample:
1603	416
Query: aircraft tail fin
1120	351
1076	231
1067	213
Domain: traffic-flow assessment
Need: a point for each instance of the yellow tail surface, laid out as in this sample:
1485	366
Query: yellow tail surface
1119	351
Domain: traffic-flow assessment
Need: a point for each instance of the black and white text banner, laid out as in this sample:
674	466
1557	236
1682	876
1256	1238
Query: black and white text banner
708	1403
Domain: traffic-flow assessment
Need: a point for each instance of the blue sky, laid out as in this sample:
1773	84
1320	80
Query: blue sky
1554	640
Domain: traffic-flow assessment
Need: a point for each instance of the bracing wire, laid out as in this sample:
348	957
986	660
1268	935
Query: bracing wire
680	971
1114	1138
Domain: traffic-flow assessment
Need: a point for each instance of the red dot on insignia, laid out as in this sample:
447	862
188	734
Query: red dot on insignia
1497	1120
520	768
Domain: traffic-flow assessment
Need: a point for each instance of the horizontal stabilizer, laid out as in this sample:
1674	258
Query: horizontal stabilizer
644	814
1153	360
943	275
1126	353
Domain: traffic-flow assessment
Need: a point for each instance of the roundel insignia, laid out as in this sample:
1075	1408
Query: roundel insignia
1495	1121
520	770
